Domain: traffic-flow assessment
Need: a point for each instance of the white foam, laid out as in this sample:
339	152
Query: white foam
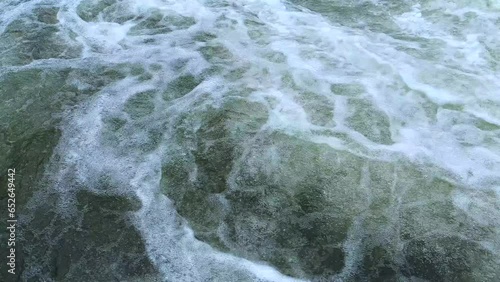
317	53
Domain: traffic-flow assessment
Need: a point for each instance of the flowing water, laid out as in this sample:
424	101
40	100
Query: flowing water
252	140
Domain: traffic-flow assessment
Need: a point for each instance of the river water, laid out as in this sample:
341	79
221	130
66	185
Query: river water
252	140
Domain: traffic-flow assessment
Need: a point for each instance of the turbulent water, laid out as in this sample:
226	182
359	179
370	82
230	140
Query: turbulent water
248	140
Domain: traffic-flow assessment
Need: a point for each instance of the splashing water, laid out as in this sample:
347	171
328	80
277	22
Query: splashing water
254	140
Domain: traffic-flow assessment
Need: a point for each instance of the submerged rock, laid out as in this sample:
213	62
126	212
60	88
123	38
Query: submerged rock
53	243
36	37
299	205
450	258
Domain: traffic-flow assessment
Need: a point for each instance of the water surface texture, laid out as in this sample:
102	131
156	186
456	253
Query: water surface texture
248	140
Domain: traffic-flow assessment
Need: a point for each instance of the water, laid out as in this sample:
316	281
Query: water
253	140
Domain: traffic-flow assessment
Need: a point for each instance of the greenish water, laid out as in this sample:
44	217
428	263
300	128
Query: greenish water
252	140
